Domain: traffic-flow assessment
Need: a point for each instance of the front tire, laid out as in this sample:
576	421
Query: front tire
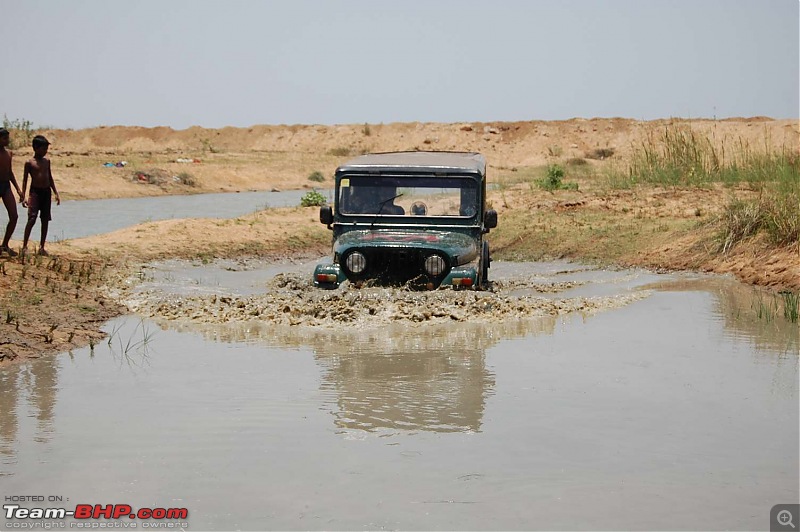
485	263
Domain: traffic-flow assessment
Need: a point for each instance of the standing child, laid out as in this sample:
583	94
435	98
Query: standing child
6	178
41	184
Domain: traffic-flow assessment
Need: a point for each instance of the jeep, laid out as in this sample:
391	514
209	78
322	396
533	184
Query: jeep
417	219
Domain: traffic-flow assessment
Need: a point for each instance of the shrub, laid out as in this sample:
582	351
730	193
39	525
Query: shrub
206	145
553	181
317	176
577	161
187	179
775	213
555	173
21	130
312	199
740	220
340	151
600	153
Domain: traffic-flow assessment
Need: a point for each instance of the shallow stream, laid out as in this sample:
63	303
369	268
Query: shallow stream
81	218
601	400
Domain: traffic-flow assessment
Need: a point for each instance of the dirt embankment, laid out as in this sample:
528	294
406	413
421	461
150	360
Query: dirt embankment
651	227
52	304
283	157
49	306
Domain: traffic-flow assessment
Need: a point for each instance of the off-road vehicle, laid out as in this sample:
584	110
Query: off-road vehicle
409	218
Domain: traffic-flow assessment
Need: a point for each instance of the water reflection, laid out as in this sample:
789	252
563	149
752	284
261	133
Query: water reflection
43	396
9	392
27	391
738	306
433	380
397	378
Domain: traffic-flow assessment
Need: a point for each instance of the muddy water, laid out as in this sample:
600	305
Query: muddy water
81	218
657	402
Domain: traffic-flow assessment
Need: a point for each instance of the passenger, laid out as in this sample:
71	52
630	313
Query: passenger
418	208
373	200
363	201
39	199
6	179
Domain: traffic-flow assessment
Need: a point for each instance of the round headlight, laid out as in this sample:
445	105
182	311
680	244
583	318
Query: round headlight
434	265
356	262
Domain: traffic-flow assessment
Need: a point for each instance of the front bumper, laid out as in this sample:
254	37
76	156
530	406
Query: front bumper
330	276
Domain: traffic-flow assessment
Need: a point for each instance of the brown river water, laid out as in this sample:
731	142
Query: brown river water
567	398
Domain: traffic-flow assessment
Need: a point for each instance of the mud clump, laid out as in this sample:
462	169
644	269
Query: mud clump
291	299
545	288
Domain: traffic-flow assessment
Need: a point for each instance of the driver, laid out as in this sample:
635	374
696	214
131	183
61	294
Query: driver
363	201
375	200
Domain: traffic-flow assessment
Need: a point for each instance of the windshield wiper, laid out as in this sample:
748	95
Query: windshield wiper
382	205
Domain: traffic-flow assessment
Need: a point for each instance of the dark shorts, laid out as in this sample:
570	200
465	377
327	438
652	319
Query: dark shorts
5	186
39	204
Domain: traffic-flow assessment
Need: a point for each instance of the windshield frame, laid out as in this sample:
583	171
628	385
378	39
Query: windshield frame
398	184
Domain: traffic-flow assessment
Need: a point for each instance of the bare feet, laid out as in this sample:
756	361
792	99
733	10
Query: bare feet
6	249
42	252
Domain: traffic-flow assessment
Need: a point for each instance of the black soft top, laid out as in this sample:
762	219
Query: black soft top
440	162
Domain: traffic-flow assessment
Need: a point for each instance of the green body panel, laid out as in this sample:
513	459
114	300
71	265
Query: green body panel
467	271
329	268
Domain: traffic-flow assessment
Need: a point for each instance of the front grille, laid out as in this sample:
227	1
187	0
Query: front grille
396	266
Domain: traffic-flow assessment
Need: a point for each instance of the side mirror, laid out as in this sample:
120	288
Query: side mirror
326	215
490	219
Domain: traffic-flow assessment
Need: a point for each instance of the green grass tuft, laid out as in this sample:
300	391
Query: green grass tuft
790	306
554	179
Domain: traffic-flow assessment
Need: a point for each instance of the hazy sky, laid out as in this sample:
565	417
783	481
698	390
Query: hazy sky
84	63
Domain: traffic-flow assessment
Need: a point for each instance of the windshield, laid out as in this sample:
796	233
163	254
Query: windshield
408	196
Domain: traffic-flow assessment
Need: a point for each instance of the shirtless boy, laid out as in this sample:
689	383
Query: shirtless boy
6	179
41	185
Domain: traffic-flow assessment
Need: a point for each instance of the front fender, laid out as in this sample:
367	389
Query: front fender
328	275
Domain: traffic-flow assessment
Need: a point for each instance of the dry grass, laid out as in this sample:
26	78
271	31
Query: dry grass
678	156
777	214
